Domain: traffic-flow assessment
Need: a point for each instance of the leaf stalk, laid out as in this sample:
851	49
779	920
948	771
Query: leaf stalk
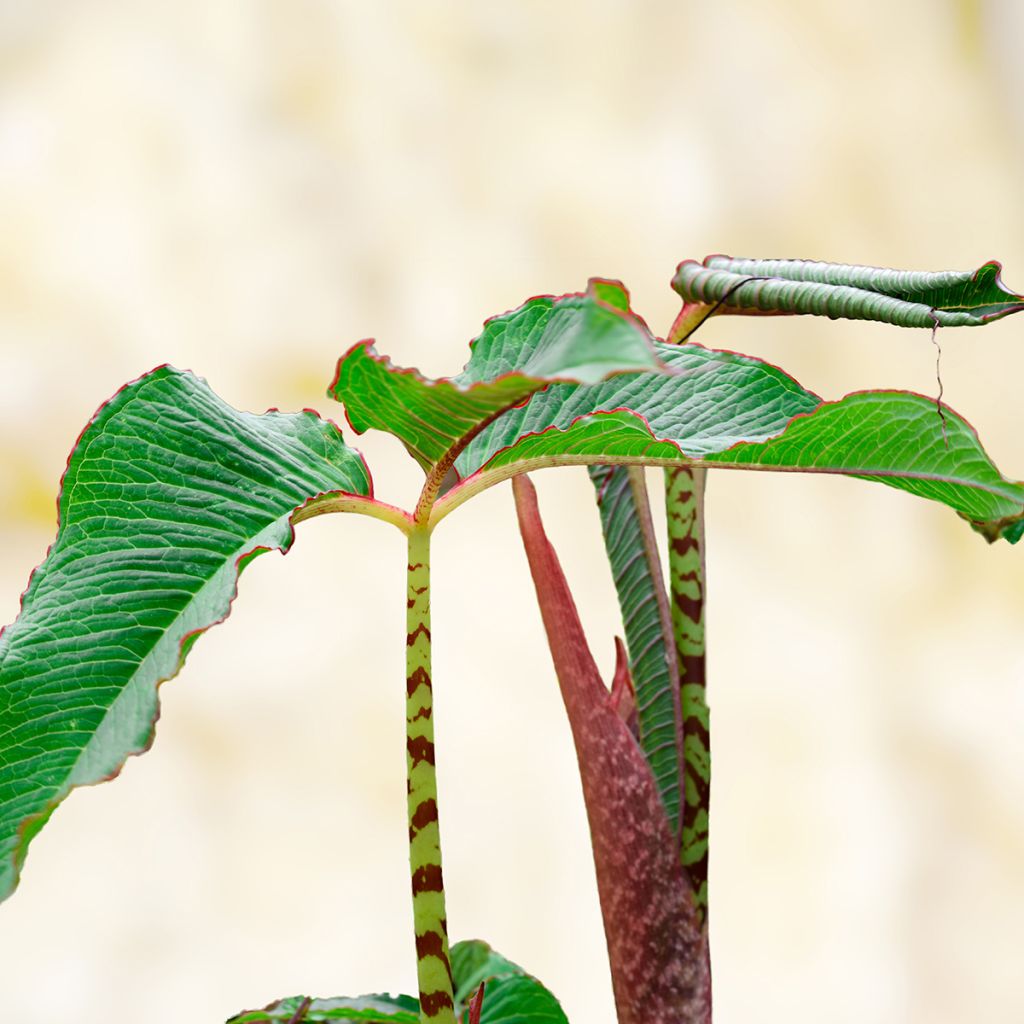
434	971
325	503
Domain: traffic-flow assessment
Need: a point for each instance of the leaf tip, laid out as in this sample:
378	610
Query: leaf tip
1010	529
609	291
477	1004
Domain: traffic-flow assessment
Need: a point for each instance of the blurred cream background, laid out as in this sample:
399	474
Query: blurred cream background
245	188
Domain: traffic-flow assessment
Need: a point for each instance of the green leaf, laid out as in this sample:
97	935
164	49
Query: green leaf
377	1009
511	996
576	338
896	438
903	297
473	961
719	408
713	400
518	999
640	586
684	519
167	495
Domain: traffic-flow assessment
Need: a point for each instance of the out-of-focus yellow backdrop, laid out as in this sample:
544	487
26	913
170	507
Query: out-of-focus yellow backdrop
245	189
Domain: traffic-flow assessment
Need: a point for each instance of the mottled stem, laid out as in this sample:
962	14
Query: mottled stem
433	963
657	949
684	505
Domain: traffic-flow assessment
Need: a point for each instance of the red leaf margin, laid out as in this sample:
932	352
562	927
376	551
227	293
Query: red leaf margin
33	824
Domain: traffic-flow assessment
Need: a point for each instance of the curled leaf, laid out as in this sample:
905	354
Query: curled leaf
906	298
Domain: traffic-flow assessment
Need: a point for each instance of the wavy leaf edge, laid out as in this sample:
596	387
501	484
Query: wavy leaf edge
486	475
374	1008
596	288
33	823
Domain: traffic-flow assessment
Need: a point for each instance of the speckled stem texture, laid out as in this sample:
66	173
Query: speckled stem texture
684	507
434	971
656	948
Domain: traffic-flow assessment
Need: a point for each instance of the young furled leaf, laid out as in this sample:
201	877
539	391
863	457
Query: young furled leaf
637	574
906	298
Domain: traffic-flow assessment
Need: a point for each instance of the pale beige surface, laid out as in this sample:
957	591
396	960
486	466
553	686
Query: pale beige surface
244	189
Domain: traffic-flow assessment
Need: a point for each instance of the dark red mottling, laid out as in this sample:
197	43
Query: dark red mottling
427	878
691	670
691	607
412	637
656	947
420	749
432	1003
425	814
477	1004
421	677
431	944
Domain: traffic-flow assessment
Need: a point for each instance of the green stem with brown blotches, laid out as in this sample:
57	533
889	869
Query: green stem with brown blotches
684	506
433	962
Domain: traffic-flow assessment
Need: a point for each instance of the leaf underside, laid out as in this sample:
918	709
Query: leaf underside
838	290
637	575
723	409
167	495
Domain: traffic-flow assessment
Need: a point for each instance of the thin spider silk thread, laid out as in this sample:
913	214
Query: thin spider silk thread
718	305
935	341
938	378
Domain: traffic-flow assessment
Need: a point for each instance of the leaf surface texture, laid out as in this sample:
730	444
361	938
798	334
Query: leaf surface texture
167	495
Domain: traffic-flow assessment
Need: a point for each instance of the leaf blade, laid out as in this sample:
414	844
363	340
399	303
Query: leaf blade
511	994
373	1009
579	338
841	290
168	493
716	401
